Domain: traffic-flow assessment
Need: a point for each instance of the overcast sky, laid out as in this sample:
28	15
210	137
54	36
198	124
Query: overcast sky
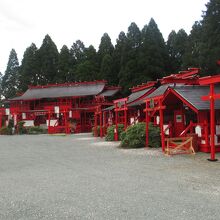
25	21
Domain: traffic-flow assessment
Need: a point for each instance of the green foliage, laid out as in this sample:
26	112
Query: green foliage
20	128
105	46
6	131
107	69
29	69
98	131
11	123
48	59
177	44
110	132
135	136
209	44
64	64
10	78
77	52
36	130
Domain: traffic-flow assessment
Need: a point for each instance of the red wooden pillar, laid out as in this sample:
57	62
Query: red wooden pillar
104	120
147	124
49	122
0	119
116	125
95	127
212	122
101	123
161	126
125	117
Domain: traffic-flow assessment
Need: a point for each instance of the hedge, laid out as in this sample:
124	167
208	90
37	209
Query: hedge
135	136
110	132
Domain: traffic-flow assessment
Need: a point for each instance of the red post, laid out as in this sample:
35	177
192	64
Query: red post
212	123
0	119
104	120
95	127
101	128
161	127
116	126
49	122
125	118
147	124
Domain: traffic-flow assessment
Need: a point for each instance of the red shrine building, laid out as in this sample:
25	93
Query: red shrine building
60	108
180	104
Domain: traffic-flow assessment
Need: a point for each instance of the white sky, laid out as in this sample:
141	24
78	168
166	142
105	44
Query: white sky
25	21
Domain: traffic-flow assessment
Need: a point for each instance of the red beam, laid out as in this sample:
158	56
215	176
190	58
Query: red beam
121	100
66	84
209	97
209	80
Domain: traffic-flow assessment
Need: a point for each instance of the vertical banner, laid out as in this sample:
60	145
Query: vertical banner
56	109
23	115
7	111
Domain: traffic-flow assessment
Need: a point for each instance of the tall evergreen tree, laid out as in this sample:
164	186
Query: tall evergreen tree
10	78
128	75
29	68
119	55
64	65
176	45
192	56
105	48
107	69
48	57
153	57
88	69
77	52
210	38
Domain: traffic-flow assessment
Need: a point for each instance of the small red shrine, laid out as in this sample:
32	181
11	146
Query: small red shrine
61	108
178	104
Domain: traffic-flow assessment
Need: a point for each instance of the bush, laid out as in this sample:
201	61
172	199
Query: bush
6	131
98	131
154	136
36	130
135	136
110	132
20	128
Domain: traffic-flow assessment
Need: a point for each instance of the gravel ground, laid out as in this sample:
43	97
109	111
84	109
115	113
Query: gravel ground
81	177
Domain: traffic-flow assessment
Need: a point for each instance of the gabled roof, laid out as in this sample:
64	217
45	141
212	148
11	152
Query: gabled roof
134	97
109	91
63	90
193	94
159	91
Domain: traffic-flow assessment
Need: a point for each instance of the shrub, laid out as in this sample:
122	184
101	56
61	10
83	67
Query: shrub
20	128
10	123
36	130
135	136
154	136
98	131
6	131
110	132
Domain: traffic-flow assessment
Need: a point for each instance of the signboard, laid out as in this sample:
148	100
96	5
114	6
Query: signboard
7	111
57	109
23	115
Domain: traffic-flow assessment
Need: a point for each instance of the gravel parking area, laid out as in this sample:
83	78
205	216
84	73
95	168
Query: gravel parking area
82	177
